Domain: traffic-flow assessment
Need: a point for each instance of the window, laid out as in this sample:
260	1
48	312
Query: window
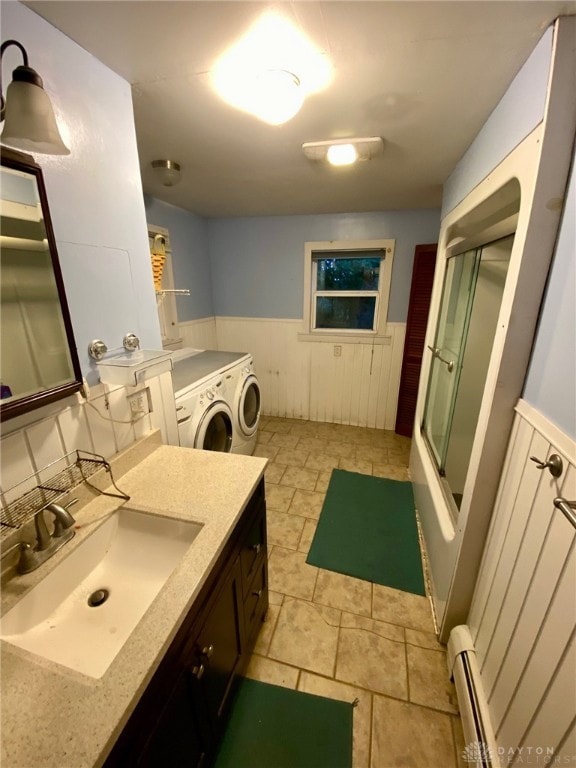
347	285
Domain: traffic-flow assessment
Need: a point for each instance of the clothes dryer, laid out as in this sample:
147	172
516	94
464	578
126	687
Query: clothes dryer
244	398
200	379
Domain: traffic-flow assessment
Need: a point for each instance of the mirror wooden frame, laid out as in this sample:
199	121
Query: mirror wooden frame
10	158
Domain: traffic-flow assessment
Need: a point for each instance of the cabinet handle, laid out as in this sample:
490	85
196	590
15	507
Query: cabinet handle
208	651
257	548
198	672
257	593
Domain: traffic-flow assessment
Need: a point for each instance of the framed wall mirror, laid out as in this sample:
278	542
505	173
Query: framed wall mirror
38	359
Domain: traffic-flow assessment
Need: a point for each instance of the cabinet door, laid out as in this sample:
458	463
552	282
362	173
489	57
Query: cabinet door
219	648
176	741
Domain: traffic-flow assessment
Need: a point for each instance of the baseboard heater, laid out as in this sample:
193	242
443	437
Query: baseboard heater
480	744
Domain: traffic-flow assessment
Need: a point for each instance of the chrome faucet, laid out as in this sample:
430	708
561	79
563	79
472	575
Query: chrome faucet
46	543
62	528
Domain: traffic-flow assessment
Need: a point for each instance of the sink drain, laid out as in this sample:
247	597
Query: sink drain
98	598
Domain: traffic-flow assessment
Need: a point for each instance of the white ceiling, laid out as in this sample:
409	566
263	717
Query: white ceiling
424	75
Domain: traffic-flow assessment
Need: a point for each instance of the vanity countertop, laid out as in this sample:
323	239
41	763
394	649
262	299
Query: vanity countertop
57	718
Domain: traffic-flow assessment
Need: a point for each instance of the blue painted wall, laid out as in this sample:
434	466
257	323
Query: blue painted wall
190	260
519	111
258	263
95	193
551	382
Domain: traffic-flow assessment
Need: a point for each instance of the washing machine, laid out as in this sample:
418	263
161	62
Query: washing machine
200	379
244	399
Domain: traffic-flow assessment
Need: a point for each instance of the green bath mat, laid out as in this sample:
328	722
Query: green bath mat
274	727
367	529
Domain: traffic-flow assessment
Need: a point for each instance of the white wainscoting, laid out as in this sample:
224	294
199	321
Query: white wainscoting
303	379
523	615
199	334
32	441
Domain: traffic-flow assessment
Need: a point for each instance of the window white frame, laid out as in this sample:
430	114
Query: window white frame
311	251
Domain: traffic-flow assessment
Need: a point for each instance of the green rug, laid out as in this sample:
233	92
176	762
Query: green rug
274	727
367	529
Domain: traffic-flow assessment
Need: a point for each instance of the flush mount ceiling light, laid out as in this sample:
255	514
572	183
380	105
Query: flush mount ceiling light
167	172
28	116
271	70
343	151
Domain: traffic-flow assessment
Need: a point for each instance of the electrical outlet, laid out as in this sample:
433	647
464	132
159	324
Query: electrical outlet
139	403
337	350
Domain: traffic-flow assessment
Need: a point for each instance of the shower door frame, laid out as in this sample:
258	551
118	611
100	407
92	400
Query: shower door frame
540	164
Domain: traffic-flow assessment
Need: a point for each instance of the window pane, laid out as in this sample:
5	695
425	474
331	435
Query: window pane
353	312
343	274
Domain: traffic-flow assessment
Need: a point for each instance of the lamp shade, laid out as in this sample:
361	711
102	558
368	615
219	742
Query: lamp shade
29	119
167	171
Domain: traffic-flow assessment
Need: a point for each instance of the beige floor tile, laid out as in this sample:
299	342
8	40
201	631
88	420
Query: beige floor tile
362	712
312	444
360	436
323	462
266	451
298	477
424	640
279	497
306	636
284	529
264	437
370	453
357	465
343	592
307	535
267	630
341	449
275	598
283	440
390	631
292	457
403	608
323	481
428	679
282	426
289	573
398	458
304	428
274	472
330	431
269	671
373	662
407	735
307	504
391	472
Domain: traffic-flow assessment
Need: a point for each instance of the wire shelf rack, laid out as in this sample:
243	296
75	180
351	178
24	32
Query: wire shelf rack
78	466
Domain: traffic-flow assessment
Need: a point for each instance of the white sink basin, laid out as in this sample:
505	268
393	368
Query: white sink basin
131	555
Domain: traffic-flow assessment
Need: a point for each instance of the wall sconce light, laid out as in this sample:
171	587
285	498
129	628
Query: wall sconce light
343	151
167	172
28	116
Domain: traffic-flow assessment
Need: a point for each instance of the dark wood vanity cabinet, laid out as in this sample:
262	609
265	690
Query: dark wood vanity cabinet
180	717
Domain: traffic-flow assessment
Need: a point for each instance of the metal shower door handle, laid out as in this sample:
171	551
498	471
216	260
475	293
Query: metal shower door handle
436	353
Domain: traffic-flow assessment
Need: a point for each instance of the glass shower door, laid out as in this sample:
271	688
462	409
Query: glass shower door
448	351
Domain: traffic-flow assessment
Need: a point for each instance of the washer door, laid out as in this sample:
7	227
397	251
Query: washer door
214	432
249	406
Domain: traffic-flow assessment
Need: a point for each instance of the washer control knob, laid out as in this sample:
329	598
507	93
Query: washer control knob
210	394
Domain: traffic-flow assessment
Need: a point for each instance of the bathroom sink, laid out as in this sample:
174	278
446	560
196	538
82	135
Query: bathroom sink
85	609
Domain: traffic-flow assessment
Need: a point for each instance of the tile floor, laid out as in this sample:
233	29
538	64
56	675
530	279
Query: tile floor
342	637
